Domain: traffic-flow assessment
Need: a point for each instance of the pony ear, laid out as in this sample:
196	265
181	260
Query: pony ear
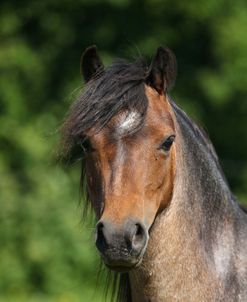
90	63
162	71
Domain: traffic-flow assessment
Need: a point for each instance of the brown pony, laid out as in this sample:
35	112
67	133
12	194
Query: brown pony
167	220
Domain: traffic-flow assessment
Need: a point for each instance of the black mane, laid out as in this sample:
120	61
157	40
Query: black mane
200	135
119	87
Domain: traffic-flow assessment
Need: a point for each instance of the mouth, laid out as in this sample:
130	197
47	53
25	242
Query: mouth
122	266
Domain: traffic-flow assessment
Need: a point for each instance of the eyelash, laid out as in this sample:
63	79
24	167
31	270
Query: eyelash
86	145
166	145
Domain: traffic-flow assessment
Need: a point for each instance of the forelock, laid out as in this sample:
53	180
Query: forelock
119	88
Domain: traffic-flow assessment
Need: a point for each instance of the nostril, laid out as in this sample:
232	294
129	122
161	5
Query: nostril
139	230
100	227
100	237
139	238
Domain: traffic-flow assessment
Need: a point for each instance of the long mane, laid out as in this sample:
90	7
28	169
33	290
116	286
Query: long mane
119	87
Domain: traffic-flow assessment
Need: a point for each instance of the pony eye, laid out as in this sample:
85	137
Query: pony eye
168	143
86	145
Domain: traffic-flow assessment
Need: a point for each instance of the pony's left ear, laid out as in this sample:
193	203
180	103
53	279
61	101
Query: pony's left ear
90	63
162	72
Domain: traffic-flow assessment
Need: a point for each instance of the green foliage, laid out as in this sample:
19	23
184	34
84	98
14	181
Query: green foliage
46	254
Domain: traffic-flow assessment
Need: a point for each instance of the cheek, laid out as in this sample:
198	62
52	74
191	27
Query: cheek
156	174
158	187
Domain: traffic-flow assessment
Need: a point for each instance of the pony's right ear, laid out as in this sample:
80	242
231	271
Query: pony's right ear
162	72
90	63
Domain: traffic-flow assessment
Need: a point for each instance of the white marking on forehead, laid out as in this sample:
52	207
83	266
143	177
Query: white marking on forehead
128	121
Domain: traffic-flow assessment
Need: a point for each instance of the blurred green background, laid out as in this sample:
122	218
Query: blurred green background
46	254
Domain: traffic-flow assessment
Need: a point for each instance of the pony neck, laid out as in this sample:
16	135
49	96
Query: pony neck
202	203
182	242
200	183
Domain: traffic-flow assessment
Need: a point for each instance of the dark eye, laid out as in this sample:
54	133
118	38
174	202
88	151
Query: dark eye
86	145
168	143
